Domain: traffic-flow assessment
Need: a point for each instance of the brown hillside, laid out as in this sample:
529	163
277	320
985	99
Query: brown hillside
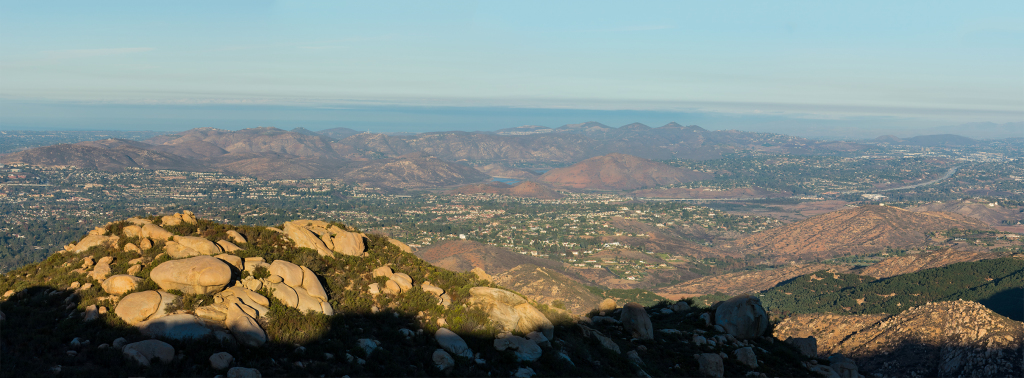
502	170
857	230
550	287
414	171
618	172
104	155
740	282
897	265
991	213
943	339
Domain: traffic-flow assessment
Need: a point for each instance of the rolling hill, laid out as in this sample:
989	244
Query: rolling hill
618	172
852	231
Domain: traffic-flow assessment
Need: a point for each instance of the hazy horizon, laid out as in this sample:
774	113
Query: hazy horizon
815	70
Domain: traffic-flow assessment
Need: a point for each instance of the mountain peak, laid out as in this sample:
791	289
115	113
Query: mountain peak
635	126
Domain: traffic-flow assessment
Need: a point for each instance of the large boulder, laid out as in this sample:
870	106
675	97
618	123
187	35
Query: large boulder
510	311
635	320
194	275
227	246
120	284
711	365
132	231
144	352
236	237
843	366
742	317
179	251
442	360
201	245
291	273
808	346
135	308
155	232
298	231
245	329
453	343
746	356
101	271
349	243
175	327
93	240
221	361
402	246
525	349
285	294
312	284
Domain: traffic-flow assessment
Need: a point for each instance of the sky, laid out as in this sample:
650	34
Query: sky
811	67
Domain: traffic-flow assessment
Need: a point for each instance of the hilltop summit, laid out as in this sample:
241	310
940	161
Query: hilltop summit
618	172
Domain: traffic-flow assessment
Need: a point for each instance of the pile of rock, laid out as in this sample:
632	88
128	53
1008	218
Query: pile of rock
325	238
510	312
396	284
298	287
178	218
96	237
443	298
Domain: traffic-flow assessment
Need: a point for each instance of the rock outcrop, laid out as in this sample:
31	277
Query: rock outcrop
298	288
510	311
742	317
175	327
940	339
325	238
178	218
120	284
144	352
136	308
453	343
194	275
635	320
525	349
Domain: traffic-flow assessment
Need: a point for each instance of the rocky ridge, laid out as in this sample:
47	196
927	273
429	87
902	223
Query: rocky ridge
263	305
941	339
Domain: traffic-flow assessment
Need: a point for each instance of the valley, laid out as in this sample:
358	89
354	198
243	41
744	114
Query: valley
763	214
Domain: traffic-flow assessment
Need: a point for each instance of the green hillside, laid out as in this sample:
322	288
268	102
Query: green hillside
996	283
45	330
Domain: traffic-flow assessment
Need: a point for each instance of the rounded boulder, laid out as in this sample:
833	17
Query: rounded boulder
742	317
194	275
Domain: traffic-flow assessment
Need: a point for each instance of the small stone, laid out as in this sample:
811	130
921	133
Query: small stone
221	361
711	365
241	372
746	356
442	360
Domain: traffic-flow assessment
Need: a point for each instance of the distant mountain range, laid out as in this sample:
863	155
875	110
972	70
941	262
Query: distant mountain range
438	159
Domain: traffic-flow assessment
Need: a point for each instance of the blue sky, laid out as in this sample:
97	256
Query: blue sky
169	65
